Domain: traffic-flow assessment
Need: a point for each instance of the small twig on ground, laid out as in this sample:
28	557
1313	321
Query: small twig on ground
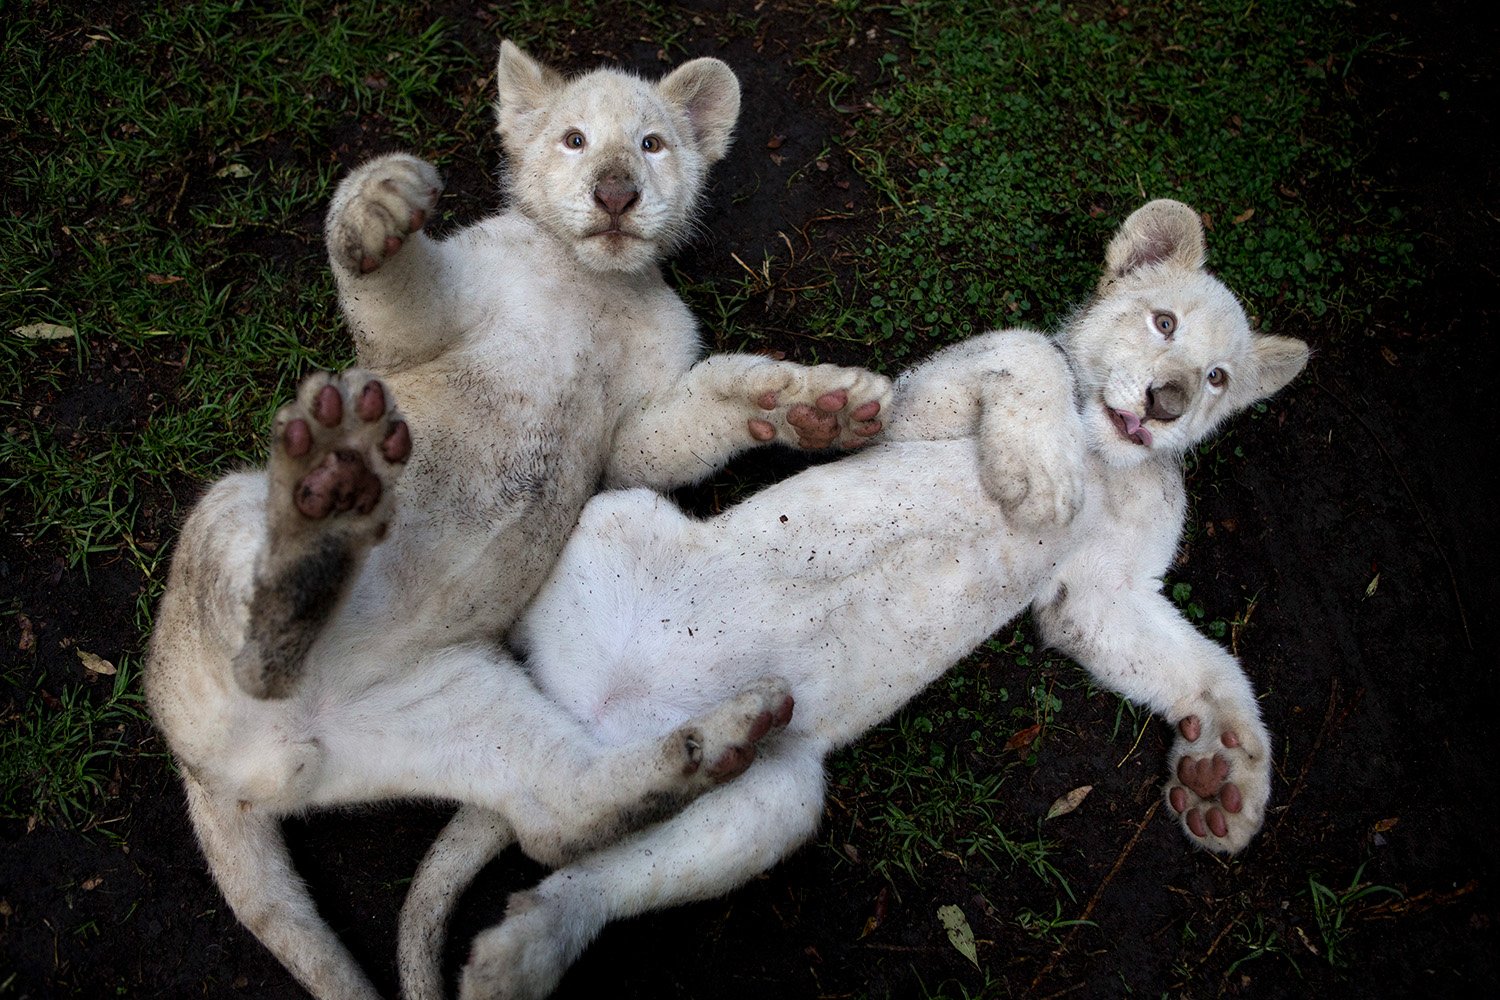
1328	723
1417	903
1066	990
1088	909
1129	753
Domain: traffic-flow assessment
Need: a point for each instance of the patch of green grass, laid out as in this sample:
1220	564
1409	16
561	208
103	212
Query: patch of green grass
1259	938
1008	140
1334	910
150	164
930	784
1047	927
56	754
166	151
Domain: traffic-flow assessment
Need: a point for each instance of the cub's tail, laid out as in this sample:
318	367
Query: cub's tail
248	858
469	842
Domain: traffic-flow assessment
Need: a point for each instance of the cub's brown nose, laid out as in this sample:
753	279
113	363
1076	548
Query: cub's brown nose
1165	402
616	195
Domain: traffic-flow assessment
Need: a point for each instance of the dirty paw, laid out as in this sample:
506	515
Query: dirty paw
338	449
378	207
721	745
1220	781
817	407
1038	488
521	959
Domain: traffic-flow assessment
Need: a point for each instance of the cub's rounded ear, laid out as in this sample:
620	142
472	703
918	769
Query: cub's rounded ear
708	91
522	86
1160	232
1278	360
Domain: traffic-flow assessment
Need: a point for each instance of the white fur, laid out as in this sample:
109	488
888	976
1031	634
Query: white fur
1001	485
532	357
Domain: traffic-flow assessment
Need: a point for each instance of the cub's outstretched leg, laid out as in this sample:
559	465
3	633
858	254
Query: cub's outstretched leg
248	858
727	403
716	844
1135	643
336	452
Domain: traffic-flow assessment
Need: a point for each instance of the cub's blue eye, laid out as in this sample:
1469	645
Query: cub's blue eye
575	140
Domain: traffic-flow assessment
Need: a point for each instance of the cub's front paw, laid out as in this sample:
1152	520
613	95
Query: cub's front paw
377	207
721	745
817	407
1220	782
1037	486
337	451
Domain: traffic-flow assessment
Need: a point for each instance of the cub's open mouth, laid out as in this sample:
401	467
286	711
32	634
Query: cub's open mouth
1129	425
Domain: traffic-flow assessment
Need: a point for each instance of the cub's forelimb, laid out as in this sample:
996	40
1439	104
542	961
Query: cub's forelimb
1012	391
727	403
1134	642
377	208
335	454
395	285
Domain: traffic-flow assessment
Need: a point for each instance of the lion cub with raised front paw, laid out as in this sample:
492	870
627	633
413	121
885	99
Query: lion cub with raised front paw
297	663
1017	471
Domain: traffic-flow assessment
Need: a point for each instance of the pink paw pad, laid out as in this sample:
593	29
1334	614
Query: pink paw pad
732	762
297	438
342	479
397	444
782	714
816	428
1204	797
328	406
832	402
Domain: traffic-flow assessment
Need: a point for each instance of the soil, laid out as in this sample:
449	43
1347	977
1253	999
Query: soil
1357	514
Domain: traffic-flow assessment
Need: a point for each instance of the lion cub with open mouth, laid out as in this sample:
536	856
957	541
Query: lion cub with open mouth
1017	472
330	631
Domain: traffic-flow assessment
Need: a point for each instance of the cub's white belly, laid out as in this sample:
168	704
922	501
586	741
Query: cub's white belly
860	582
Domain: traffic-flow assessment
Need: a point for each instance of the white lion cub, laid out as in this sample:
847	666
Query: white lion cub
1016	471
297	663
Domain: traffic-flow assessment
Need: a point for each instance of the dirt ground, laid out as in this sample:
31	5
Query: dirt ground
1378	460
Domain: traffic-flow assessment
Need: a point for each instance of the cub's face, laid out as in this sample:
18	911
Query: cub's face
609	163
1165	352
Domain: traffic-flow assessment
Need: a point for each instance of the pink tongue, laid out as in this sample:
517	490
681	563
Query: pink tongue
1133	428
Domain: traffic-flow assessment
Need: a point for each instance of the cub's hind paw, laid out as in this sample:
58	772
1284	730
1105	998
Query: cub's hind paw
377	207
721	745
521	959
818	407
337	450
1220	782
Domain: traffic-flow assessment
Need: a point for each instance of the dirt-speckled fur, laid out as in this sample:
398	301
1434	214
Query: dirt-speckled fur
297	663
1018	471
